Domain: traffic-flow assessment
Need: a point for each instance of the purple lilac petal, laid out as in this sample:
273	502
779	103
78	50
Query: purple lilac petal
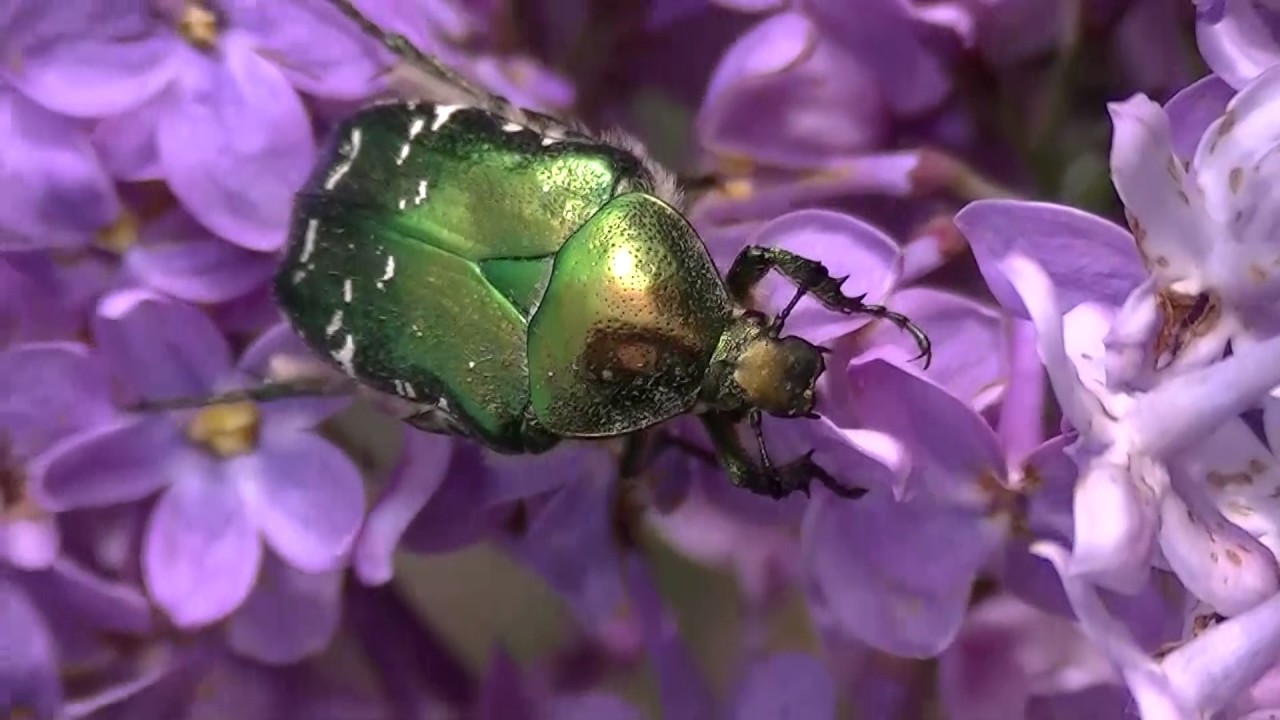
160	348
515	477
1148	45
456	514
786	685
570	543
29	543
419	473
592	706
255	146
751	6
202	552
305	495
847	247
116	463
1009	652
289	616
30	309
683	692
762	557
1013	31
126	144
1087	257
1216	560
57	194
968	345
413	664
68	593
97	78
47	392
1021	425
505	693
785	63
1193	110
1241	43
898	572
180	258
883	35
1164	205
1194	680
29	674
320	51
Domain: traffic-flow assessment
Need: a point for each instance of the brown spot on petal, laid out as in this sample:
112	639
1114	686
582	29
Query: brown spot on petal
1257	466
1213	556
1185	316
1162	262
1227	479
1235	179
1174	169
1234	557
1183	197
1227	124
1257	273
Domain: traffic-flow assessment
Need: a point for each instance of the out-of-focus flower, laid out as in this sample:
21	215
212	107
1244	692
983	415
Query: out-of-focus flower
1012	661
209	109
228	476
54	619
178	257
58	195
49	391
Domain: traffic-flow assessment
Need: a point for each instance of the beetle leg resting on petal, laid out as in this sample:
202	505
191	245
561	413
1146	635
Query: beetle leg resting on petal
811	277
766	478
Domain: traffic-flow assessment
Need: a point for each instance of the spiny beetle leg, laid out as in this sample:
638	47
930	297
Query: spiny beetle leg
811	277
765	478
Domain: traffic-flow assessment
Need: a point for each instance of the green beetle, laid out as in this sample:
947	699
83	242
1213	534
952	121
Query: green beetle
519	281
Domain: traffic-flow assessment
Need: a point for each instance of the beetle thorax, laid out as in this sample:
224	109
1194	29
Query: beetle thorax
754	368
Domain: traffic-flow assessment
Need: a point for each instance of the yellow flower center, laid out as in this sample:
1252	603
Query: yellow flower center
226	430
120	235
198	26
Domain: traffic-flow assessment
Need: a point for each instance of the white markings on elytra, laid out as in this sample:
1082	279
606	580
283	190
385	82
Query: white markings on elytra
388	273
419	198
399	386
442	115
309	240
471	365
350	150
347	290
512	127
403	154
409	391
335	324
548	141
416	126
347	355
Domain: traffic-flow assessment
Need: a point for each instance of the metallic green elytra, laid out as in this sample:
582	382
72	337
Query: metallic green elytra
518	281
522	282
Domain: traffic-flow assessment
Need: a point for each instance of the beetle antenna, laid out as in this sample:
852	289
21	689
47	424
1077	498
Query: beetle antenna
400	46
267	392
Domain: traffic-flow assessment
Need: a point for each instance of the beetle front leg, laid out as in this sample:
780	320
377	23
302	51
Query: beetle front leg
766	478
811	277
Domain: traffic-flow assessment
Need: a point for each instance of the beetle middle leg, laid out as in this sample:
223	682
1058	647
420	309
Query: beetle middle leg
810	277
765	477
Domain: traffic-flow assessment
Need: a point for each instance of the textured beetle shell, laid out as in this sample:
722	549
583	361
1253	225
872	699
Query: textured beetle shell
423	244
632	315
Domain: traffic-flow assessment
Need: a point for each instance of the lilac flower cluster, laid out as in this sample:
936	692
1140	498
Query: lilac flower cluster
1073	512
